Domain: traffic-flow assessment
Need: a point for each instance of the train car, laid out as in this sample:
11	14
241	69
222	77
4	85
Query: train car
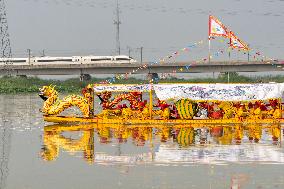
123	59
96	59
57	60
120	59
14	60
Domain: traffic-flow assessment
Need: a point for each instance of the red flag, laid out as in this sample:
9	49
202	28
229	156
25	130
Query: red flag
216	28
236	43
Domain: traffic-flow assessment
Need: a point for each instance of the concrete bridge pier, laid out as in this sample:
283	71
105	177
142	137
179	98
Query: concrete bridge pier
85	77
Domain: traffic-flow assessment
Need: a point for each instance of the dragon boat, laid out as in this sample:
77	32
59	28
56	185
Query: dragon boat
170	104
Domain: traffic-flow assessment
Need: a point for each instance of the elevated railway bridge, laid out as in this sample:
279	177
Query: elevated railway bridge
116	68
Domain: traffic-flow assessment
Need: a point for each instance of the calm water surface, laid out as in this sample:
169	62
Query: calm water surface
35	154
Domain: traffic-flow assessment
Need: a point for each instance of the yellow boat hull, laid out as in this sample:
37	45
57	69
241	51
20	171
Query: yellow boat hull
65	119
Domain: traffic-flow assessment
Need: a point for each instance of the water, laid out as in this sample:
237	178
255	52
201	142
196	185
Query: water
35	154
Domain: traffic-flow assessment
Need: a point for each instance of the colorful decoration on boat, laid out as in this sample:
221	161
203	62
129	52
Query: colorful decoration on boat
54	106
186	108
134	98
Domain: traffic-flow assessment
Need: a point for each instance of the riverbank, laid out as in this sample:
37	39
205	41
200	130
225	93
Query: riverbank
14	85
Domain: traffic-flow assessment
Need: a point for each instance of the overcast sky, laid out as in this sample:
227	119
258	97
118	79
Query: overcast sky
83	27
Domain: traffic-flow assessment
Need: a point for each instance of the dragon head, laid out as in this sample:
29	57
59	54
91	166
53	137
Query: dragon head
47	91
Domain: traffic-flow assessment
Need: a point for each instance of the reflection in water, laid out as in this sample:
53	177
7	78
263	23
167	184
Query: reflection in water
54	139
5	138
187	144
5	143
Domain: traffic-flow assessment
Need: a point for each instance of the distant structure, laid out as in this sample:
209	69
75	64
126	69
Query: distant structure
117	23
6	51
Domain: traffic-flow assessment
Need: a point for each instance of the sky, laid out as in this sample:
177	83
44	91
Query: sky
161	27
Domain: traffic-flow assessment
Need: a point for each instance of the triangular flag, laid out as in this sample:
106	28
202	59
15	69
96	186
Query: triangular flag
236	43
216	28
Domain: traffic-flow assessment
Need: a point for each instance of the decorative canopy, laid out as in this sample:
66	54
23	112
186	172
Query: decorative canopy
221	92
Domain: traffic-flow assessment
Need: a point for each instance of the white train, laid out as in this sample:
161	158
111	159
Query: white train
121	59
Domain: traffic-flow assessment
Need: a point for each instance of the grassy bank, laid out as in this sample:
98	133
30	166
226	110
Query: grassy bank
13	85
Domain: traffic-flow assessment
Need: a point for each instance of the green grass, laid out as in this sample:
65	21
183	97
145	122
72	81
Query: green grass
15	85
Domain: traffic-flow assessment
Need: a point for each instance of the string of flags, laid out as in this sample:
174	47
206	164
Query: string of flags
216	29
256	55
184	49
162	60
187	67
174	71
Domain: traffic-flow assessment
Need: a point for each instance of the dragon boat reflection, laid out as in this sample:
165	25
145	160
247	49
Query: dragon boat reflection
165	144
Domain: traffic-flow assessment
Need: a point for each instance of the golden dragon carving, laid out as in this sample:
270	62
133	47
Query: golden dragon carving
54	106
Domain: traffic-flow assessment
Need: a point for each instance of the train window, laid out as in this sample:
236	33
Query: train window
100	59
18	61
122	59
59	60
65	60
12	60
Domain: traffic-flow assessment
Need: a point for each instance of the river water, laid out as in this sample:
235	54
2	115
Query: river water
35	154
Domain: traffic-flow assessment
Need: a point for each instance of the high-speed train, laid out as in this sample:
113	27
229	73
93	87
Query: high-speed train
120	59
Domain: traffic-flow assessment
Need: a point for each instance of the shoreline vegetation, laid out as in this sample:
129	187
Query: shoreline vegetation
15	85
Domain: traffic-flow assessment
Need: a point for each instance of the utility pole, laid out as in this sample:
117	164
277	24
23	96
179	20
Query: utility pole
29	56
248	52
6	51
117	23
141	54
129	50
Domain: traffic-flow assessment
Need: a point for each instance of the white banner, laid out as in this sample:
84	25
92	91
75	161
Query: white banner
222	92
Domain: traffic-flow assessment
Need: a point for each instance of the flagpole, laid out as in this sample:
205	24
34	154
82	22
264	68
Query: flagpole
209	49
229	51
209	38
